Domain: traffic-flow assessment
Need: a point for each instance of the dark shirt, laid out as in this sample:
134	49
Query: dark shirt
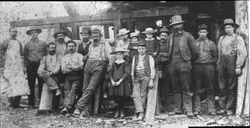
132	50
207	52
35	50
176	53
152	46
163	51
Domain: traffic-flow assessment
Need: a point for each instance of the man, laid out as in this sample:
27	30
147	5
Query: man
164	78
71	64
181	50
204	70
231	57
96	65
48	70
34	51
143	74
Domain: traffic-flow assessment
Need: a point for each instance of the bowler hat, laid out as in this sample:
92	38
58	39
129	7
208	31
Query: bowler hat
176	19
149	31
142	43
202	26
164	29
86	29
122	31
37	30
60	32
229	22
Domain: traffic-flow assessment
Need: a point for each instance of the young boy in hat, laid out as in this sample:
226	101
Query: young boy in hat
142	73
133	45
118	74
204	70
232	55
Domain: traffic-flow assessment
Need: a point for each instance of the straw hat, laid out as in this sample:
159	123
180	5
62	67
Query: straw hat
134	34
149	31
37	30
176	19
122	31
119	49
60	32
229	22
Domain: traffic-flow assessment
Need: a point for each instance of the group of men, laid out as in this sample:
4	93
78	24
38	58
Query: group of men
76	69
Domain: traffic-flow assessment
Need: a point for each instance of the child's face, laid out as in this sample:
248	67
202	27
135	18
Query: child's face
134	39
149	35
141	50
119	55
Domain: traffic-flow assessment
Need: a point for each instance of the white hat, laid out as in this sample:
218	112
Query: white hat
123	31
149	30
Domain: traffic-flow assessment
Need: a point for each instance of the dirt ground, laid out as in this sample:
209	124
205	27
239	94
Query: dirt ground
27	118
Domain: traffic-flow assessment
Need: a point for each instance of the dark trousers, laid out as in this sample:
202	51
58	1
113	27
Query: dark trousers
180	73
227	81
71	88
204	82
14	101
93	73
32	68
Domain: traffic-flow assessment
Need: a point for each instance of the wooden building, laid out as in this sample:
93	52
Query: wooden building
141	14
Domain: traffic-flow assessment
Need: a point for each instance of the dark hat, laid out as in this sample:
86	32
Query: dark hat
86	30
202	26
37	30
142	43
164	29
119	49
60	32
176	19
229	22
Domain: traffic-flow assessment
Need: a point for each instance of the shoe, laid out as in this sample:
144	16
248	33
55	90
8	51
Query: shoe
190	114
31	107
116	114
221	112
122	114
135	117
84	114
213	113
64	111
141	116
229	112
174	113
196	113
77	112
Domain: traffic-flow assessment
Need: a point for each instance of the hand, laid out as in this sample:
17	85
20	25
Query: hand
238	71
154	53
119	82
113	83
151	83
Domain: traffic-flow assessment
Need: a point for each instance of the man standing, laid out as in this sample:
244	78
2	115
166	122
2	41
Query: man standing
231	57
204	70
96	65
72	64
181	50
34	51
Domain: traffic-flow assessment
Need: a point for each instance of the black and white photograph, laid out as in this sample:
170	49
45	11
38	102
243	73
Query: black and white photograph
124	64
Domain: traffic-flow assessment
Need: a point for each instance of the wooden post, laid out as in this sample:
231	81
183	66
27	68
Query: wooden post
75	32
151	102
242	18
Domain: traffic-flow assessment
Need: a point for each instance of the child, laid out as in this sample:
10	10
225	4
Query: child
142	73
135	39
119	88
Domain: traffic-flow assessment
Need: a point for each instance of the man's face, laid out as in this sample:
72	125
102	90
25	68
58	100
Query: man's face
71	47
34	34
124	37
96	37
163	36
134	39
178	27
229	29
118	55
141	50
202	33
52	49
13	33
149	35
60	37
85	37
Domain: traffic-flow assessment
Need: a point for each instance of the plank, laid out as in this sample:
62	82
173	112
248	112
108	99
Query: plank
71	9
151	102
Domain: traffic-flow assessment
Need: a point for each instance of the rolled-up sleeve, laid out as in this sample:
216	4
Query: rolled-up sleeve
152	67
241	52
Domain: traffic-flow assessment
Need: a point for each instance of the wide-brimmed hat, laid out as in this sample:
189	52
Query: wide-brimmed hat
142	43
134	34
37	30
119	49
60	32
229	22
122	31
86	29
149	30
164	29
202	26
176	19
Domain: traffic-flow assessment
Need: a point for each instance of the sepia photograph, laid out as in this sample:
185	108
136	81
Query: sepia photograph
124	64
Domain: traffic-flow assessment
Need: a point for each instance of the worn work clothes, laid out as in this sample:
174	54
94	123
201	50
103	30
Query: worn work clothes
83	48
72	60
100	52
35	50
207	51
132	50
152	45
204	74
232	55
163	54
61	49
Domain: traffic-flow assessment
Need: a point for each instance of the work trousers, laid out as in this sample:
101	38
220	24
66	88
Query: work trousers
93	73
14	101
32	68
71	88
227	81
180	73
204	77
140	91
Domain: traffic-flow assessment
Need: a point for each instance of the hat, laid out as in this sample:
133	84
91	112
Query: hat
149	30
176	19
142	43
164	29
37	30
134	34
97	31
86	29
60	32
119	49
202	26
122	31
229	22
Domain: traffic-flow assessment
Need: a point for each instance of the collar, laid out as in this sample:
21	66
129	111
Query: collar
86	43
142	56
179	32
119	61
233	35
149	39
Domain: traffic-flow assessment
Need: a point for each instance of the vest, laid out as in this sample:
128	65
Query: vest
146	64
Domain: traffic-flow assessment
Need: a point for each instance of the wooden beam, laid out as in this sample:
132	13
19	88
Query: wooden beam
71	9
104	16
